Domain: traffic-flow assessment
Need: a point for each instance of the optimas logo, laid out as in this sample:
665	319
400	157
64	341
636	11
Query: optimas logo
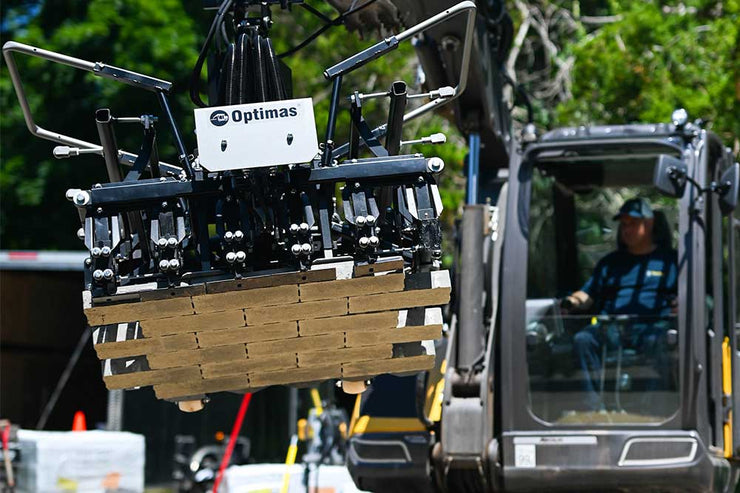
219	118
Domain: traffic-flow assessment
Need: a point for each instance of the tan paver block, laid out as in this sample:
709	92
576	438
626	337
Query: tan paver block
138	347
395	365
143	310
277	295
184	389
260	364
193	323
346	355
269	332
359	286
399	335
380	320
324	342
296	311
395	301
217	354
151	377
327	372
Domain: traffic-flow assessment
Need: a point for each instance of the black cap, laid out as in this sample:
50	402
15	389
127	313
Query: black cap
636	207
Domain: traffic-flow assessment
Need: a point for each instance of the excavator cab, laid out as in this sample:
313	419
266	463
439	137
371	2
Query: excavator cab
654	406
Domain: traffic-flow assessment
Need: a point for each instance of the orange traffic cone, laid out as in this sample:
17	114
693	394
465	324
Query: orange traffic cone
79	423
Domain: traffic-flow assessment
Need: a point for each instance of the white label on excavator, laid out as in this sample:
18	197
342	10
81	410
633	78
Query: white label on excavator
255	135
525	455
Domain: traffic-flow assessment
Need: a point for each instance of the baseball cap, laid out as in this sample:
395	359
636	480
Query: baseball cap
636	207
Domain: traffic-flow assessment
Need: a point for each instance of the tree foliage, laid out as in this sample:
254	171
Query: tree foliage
582	61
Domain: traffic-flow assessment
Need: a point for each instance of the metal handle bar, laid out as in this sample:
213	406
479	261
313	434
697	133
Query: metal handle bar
99	69
385	46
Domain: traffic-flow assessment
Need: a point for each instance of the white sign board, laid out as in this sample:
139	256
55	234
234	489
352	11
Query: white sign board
254	135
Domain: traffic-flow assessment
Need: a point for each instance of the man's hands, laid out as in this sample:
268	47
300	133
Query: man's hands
578	301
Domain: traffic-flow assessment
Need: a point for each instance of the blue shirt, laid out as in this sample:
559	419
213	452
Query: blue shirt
623	283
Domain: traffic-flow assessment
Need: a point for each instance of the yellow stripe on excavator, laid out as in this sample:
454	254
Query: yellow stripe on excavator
370	424
727	391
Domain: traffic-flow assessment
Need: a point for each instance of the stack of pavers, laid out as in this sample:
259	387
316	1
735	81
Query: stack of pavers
280	329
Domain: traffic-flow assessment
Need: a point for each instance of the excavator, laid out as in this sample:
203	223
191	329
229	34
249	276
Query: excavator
505	408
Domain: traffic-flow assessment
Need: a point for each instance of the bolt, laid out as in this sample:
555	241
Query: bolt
105	251
437	253
81	234
98	275
108	274
238	235
164	205
364	242
96	252
172	242
374	241
88	262
304	227
295	249
228	236
97	185
360	220
435	165
294	228
357	185
174	264
241	256
99	210
231	257
82	198
162	242
164	265
420	179
162	179
306	248
370	219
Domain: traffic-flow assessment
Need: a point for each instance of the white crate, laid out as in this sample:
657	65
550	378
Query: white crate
89	461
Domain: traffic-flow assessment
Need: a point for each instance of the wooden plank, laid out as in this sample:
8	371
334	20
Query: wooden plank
270	332
138	347
324	342
172	390
277	295
144	310
379	266
152	377
346	355
395	301
361	338
169	293
293	376
266	281
296	311
218	354
380	320
395	365
270	362
193	323
352	287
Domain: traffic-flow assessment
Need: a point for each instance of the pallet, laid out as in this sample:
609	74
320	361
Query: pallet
281	329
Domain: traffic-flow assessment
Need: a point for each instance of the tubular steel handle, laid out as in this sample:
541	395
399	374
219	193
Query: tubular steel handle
99	69
392	42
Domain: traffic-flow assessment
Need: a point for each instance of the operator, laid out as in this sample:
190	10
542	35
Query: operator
638	279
